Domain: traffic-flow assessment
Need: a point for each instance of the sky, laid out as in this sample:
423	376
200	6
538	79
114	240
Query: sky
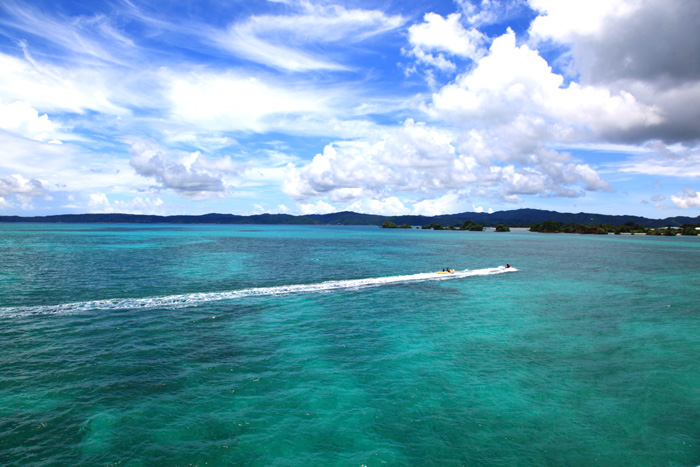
385	107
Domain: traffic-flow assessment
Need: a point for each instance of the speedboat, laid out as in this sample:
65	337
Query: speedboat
449	271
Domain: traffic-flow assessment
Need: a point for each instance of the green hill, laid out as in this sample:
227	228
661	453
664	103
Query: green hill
513	218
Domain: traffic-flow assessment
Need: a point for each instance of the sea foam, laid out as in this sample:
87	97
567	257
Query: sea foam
192	299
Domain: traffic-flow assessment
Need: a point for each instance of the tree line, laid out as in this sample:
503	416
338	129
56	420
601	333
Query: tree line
466	225
604	229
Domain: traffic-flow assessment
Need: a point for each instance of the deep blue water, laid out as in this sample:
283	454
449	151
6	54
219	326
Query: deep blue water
294	345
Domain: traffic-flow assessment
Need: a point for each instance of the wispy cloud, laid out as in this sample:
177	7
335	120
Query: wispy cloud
296	42
57	88
661	164
94	37
226	101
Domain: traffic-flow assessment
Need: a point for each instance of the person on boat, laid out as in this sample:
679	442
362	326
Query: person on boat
507	265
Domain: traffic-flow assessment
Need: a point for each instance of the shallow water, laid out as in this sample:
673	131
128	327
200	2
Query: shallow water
297	345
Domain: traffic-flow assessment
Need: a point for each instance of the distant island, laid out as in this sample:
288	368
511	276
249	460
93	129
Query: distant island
630	228
513	218
466	225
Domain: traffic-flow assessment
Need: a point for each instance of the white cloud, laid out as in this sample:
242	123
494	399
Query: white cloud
21	188
438	61
589	177
198	106
444	35
481	209
320	207
187	177
512	82
489	12
412	158
242	40
65	167
641	48
208	142
450	202
419	159
227	102
224	165
100	203
564	20
525	181
660	160
511	107
688	199
88	36
631	39
61	89
548	178
290	42
21	118
388	206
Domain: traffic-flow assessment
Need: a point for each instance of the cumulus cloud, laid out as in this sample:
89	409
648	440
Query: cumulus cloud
509	110
21	118
98	202
412	158
548	179
515	82
628	39
646	48
21	188
191	177
419	159
443	36
566	20
688	199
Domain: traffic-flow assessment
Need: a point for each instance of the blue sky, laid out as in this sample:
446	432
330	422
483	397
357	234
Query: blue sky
389	107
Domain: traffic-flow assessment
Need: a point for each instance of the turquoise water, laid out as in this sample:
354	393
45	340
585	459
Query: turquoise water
283	346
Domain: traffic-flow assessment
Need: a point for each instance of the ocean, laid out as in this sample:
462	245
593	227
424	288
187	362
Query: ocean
184	345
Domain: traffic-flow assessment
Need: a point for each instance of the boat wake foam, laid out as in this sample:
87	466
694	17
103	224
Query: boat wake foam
191	299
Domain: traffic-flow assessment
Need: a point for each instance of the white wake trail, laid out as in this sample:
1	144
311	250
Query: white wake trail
185	300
